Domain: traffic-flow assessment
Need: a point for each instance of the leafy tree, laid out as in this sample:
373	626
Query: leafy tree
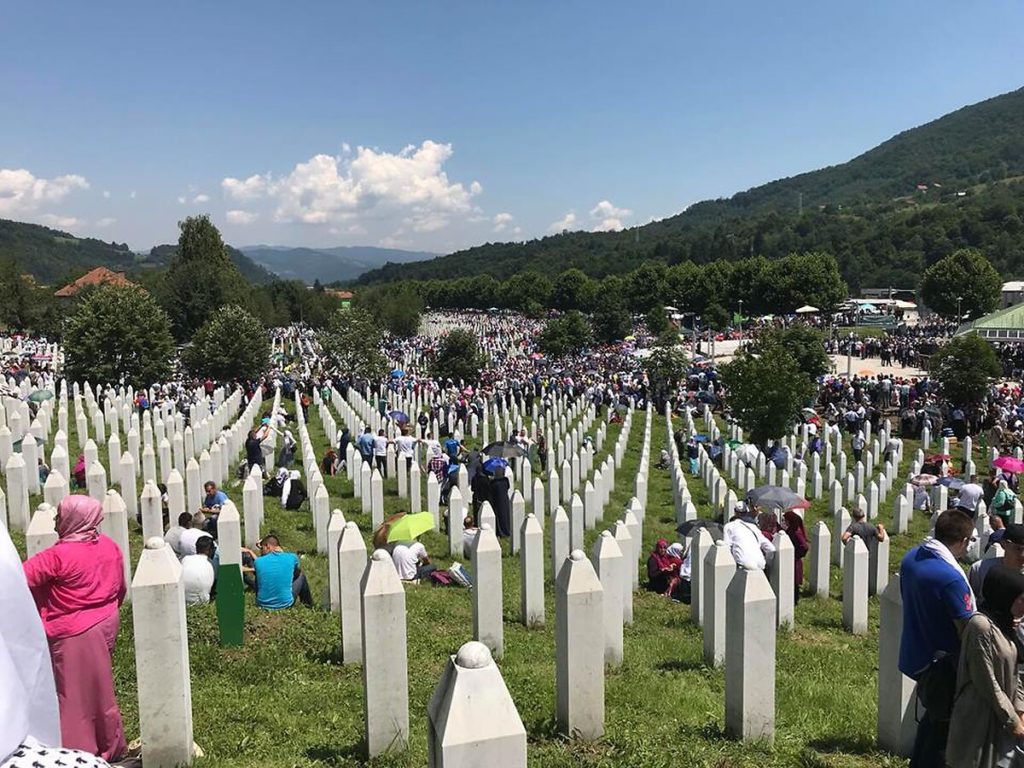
656	321
964	368
765	391
666	367
201	277
573	290
610	321
716	317
352	342
458	357
231	344
524	289
966	274
118	335
805	344
565	335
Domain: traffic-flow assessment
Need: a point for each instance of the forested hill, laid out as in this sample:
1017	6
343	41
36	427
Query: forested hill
885	215
54	257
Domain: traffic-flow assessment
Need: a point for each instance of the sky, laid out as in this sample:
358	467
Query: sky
440	125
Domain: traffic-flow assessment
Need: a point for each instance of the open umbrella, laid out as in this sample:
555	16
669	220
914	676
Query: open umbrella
400	416
925	480
747	453
493	464
701	439
1009	464
411	526
397	373
40	395
776	497
503	449
715	529
936	457
807	309
953	483
707	397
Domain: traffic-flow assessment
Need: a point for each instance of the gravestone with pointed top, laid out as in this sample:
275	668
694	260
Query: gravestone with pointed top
750	616
855	586
531	572
579	661
351	565
488	627
897	721
607	559
719	568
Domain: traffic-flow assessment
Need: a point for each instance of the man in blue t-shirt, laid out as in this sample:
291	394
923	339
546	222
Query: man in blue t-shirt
937	602
365	445
279	578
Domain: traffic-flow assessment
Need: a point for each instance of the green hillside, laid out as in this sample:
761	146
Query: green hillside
52	256
868	212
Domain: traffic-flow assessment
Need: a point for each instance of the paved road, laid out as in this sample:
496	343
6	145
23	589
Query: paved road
871	366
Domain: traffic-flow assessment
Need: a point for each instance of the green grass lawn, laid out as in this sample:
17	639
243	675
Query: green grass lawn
284	699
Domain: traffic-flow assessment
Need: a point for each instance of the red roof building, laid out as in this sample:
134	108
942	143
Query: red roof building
97	277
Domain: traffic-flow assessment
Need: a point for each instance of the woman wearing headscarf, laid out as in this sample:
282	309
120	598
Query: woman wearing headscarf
663	569
29	718
78	585
1003	503
986	724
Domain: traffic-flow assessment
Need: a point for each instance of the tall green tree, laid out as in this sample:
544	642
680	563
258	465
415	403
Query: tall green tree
118	335
964	369
806	345
965	275
231	344
765	391
351	341
665	367
565	335
610	321
201	277
458	357
573	290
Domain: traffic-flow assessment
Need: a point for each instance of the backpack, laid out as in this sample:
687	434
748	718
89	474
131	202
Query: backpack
441	578
460	575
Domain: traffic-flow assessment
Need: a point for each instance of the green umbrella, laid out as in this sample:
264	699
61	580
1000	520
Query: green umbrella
410	527
40	395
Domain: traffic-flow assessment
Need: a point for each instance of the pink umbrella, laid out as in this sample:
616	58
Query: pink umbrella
1009	464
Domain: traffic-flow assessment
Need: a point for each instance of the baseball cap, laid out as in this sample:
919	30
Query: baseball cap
1014	534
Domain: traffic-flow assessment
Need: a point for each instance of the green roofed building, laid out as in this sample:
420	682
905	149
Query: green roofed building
1001	325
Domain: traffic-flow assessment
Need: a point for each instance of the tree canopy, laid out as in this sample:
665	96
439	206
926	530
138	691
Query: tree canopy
231	344
118	335
352	341
805	344
964	368
458	357
965	275
766	390
565	335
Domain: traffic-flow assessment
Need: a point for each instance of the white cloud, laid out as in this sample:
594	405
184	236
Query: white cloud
132	194
56	220
182	199
201	198
22	192
567	222
106	221
368	183
608	217
241	217
502	221
106	194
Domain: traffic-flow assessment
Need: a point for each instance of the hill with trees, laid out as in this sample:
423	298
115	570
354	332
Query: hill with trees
328	265
886	215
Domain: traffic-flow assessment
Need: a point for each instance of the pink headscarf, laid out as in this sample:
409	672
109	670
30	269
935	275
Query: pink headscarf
78	518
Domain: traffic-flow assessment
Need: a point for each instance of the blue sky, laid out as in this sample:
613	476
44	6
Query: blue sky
438	125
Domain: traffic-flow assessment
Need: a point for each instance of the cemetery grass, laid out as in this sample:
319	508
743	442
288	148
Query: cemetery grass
285	698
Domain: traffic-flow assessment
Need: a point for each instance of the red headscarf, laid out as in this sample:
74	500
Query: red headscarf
78	518
662	558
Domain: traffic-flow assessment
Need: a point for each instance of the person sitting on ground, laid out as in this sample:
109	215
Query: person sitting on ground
78	472
681	552
411	561
749	548
197	574
986	724
212	503
662	570
278	576
189	537
44	471
469	530
663	460
173	535
868	533
329	463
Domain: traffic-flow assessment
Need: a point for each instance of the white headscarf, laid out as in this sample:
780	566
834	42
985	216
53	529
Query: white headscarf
28	696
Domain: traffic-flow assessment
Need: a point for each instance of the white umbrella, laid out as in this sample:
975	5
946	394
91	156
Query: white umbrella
807	309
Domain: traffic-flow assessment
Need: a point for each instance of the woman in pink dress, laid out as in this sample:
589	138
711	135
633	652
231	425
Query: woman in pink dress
78	586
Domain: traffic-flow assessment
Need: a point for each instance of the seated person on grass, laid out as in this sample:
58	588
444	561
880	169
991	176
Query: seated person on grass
276	576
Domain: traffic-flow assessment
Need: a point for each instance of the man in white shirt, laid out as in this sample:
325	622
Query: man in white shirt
406	449
968	498
411	561
197	574
188	540
749	548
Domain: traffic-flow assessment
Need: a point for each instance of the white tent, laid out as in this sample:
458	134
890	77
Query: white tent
807	309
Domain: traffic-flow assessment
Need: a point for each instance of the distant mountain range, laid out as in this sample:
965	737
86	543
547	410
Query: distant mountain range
328	265
53	256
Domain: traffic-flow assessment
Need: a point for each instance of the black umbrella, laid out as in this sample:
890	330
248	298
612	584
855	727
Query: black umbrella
707	397
775	497
687	528
503	449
